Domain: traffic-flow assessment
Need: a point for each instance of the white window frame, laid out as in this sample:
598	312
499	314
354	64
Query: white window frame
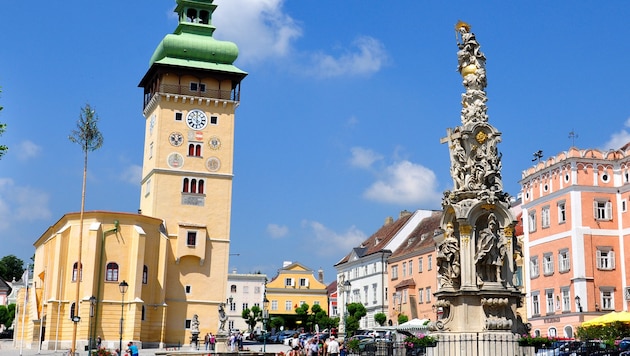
564	263
395	272
548	263
288	305
289	282
605	258
534	267
545	217
429	262
562	212
549	301
535	303
602	210
410	268
607	298
274	305
566	299
420	295
428	290
404	269
420	262
532	221
374	293
303	282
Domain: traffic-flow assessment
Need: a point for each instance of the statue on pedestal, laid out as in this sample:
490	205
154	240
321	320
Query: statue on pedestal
491	252
222	318
448	258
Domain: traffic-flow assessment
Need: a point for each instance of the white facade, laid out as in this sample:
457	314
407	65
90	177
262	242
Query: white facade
367	273
243	292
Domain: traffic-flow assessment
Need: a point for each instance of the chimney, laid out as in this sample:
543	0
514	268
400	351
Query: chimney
320	275
286	263
404	213
388	220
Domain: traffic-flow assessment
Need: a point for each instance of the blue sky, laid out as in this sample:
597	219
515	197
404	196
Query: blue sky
340	117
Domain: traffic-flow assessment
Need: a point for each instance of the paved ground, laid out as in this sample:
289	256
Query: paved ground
7	348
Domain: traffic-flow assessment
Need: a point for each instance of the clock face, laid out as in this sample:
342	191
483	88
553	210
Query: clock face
176	139
196	119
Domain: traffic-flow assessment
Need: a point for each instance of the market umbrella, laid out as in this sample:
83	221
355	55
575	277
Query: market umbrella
611	317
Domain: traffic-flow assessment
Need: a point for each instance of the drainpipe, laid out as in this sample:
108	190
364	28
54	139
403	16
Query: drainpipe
100	275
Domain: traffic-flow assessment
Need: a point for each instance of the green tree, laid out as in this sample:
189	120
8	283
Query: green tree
252	316
7	314
11	267
303	315
276	322
3	148
402	318
90	138
610	332
356	311
380	318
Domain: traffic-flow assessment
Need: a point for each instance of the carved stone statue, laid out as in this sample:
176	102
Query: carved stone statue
448	258
223	318
490	253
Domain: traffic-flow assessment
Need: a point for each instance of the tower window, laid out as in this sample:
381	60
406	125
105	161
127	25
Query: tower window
73	311
145	275
178	116
76	272
191	239
214	120
194	150
194	86
111	274
193	185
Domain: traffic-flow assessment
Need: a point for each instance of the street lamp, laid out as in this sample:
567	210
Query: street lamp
123	289
90	331
265	319
346	290
577	302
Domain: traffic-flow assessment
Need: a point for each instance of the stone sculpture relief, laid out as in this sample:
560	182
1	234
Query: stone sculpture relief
491	251
448	259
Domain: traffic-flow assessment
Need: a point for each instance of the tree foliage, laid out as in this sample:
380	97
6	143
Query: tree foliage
380	318
609	332
356	311
252	316
7	314
11	267
87	133
402	318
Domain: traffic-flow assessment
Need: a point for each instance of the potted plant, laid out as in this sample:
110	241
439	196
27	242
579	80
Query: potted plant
417	344
535	341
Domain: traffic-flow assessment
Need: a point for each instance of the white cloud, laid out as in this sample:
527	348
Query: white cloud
27	149
20	204
277	231
132	174
618	139
405	183
363	157
329	242
367	56
260	28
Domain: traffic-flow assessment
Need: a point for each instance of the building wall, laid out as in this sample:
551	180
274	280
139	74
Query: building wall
245	290
577	180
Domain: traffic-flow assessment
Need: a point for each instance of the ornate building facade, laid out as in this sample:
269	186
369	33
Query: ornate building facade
575	222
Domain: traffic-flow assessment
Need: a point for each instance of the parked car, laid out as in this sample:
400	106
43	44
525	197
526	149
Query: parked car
264	337
624	344
6	334
284	335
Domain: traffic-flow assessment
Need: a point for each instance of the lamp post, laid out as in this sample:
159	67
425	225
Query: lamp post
90	331
265	318
346	295
123	289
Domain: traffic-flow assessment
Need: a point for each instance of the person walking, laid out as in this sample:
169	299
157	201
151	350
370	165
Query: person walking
333	347
213	341
133	349
206	341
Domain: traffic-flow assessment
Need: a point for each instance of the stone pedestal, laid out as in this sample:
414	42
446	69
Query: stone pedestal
222	343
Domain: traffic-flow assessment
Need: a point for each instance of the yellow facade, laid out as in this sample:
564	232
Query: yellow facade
174	253
295	285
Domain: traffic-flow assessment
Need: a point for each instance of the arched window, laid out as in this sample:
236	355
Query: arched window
193	186
198	150
72	310
76	272
200	190
143	313
112	272
191	149
145	275
191	15
186	187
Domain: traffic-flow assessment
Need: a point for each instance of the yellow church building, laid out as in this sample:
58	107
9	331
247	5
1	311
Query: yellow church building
144	277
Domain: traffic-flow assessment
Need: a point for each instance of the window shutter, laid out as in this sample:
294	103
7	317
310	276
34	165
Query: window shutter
612	259
595	215
292	282
609	210
306	282
599	259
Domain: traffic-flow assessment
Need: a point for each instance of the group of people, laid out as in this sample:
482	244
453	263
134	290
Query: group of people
315	346
210	341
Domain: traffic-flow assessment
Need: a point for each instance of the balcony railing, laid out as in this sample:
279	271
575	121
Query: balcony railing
175	89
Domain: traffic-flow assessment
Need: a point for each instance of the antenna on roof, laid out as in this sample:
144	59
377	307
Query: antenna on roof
537	156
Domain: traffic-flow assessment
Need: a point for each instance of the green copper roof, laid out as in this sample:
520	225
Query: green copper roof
192	44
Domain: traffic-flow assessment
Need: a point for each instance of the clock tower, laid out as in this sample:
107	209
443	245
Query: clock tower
191	92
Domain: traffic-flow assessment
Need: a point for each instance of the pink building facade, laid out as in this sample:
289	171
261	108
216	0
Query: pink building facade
576	230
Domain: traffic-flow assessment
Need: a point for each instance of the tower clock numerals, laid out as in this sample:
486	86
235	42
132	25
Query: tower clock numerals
176	138
196	119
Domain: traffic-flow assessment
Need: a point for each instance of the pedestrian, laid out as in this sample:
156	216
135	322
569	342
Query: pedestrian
333	347
213	341
206	341
133	349
98	342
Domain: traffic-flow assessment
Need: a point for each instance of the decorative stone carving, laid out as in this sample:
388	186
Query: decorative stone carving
491	252
448	259
223	318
